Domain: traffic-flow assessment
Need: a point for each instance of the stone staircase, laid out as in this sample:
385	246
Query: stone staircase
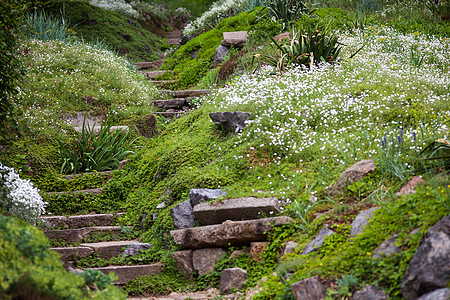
74	230
224	224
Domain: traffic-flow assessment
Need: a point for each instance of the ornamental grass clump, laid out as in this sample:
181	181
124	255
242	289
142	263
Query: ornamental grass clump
18	196
90	151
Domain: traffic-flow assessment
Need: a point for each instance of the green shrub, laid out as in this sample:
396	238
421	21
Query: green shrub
30	270
47	28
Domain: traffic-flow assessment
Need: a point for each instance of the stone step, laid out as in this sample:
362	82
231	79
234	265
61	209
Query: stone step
79	221
89	191
107	250
173	41
70	253
153	74
161	83
229	233
77	235
127	273
184	93
177	103
149	64
96	128
235	209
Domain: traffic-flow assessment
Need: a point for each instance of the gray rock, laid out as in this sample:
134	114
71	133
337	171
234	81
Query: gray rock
184	262
232	121
236	38
351	175
236	253
440	294
387	248
204	259
219	55
361	220
308	289
289	248
182	215
429	268
318	240
227	234
135	249
257	249
161	205
370	292
201	195
235	209
232	278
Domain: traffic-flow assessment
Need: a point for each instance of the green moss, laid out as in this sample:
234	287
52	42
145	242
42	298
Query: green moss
120	33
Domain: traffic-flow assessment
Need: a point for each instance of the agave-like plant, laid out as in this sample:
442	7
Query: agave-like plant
91	151
287	11
308	46
434	157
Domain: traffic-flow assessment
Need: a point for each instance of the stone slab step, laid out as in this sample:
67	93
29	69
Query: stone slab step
77	235
69	253
177	103
153	74
149	64
96	128
185	93
107	250
174	41
235	209
79	221
127	273
89	191
229	233
161	83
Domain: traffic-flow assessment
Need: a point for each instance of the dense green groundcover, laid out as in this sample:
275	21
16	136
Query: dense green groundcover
29	270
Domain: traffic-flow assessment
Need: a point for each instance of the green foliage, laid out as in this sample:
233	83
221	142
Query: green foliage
92	151
434	157
94	23
345	287
97	279
191	70
46	28
287	11
167	282
308	46
197	6
30	269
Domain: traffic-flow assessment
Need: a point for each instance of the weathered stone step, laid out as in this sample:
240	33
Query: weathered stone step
96	128
108	250
79	221
77	235
89	191
184	93
235	209
161	83
153	74
177	103
149	64
127	273
173	41
69	253
227	234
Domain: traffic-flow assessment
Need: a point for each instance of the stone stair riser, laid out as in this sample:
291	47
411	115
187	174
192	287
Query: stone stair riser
77	235
73	222
127	273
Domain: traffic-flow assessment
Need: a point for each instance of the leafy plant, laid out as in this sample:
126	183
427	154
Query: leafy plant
287	11
434	157
308	46
345	286
48	28
301	209
95	152
97	279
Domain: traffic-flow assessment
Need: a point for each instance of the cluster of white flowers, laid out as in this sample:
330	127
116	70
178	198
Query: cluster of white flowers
19	197
210	18
350	106
119	6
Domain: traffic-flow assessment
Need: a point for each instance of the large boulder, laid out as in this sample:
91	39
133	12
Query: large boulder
361	221
429	268
228	234
182	215
235	209
204	259
232	278
370	292
232	121
235	39
308	289
197	196
356	172
318	241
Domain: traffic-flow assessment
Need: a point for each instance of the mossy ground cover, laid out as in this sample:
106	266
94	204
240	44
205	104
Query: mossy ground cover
118	32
